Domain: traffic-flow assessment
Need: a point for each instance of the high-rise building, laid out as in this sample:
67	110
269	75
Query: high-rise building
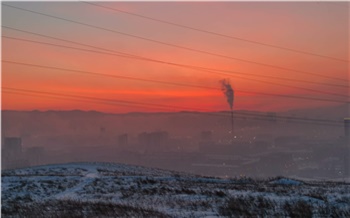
347	149
154	141
35	155
12	155
347	128
123	140
206	136
271	116
12	146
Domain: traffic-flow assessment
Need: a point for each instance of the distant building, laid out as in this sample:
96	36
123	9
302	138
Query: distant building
346	154
206	136
261	145
206	144
35	155
154	141
271	116
102	129
347	128
287	141
12	155
123	140
12	147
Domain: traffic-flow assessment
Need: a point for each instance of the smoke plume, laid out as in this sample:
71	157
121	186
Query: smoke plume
228	91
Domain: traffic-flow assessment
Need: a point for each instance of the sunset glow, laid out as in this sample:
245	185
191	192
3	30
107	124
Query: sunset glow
168	78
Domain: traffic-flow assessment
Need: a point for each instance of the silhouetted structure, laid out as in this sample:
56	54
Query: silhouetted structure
13	146
206	143
36	155
154	141
347	128
347	147
206	136
12	156
123	140
271	116
287	141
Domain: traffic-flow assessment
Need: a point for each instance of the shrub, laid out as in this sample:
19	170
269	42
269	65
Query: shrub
298	209
72	209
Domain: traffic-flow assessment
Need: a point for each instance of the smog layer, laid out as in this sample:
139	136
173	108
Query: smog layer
302	144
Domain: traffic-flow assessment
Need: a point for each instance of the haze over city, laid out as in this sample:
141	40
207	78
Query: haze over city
214	88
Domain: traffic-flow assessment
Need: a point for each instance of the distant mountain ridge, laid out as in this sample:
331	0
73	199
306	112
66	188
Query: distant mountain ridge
341	110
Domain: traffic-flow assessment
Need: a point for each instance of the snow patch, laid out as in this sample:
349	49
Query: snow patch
285	181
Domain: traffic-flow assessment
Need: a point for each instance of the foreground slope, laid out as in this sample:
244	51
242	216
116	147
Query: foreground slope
116	190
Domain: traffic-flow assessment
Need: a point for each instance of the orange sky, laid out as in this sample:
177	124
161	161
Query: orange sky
320	28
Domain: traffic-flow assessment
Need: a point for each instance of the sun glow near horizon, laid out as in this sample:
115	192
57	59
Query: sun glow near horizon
164	64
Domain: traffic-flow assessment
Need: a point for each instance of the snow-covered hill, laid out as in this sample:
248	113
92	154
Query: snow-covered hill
116	190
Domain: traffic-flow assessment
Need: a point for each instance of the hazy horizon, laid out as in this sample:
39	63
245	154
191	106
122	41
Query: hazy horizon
215	88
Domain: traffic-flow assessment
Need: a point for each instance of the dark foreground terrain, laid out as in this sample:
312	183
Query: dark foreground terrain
116	190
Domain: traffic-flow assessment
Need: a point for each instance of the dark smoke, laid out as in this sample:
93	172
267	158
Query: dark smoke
228	91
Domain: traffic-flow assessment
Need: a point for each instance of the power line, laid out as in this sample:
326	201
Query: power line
114	101
195	68
172	45
167	83
111	76
217	34
278	78
134	103
216	114
80	100
126	55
